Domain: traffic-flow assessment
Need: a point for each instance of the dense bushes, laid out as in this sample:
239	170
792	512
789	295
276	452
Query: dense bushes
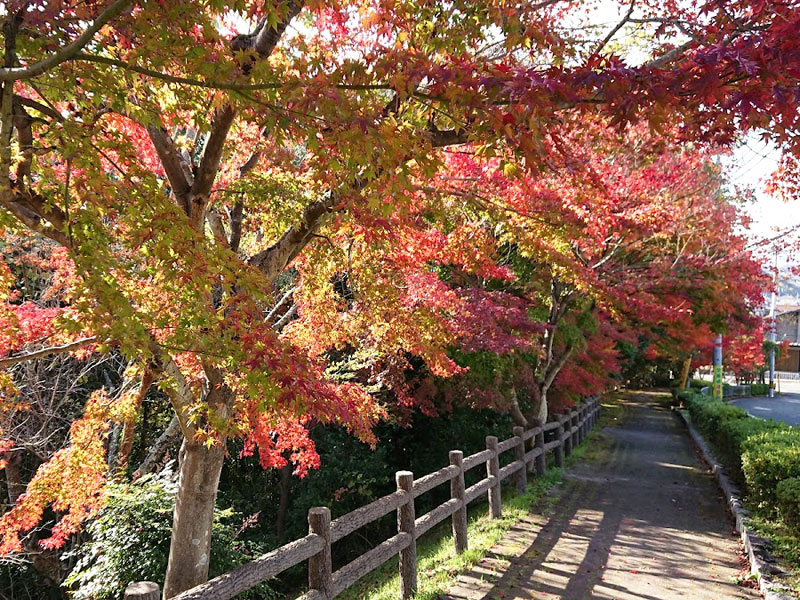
768	459
761	454
129	540
759	389
788	493
698	384
731	438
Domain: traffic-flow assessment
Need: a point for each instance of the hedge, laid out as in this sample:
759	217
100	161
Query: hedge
759	389
759	453
788	493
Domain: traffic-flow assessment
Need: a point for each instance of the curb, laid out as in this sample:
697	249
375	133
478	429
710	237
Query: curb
762	564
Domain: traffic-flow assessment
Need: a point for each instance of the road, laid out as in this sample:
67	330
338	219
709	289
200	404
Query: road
784	407
639	518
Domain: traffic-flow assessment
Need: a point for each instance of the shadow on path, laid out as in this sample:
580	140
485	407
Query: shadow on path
639	520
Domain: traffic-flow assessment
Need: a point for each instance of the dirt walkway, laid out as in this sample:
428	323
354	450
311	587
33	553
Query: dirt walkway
638	519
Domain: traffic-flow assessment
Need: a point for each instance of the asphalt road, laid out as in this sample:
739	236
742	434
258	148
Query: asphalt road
784	407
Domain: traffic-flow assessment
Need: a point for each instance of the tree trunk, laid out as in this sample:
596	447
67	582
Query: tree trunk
542	412
516	412
687	366
14	483
538	408
190	547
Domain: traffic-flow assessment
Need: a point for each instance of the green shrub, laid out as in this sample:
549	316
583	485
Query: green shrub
709	415
683	396
788	494
731	435
129	541
698	384
768	458
759	389
756	452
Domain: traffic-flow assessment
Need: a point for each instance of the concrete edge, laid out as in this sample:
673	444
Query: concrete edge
762	564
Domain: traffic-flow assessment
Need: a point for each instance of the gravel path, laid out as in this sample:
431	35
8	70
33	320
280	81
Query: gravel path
638	519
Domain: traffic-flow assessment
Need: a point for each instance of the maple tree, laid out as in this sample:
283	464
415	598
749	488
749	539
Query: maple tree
745	356
231	207
628	229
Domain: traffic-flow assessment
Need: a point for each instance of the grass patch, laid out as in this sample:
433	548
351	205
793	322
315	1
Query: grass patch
437	563
785	543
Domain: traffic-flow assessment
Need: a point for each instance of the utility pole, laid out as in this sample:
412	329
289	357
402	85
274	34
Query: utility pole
717	387
773	331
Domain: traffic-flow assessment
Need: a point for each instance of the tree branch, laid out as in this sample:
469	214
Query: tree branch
38	106
662	60
178	173
274	259
68	347
158	449
614	31
555	368
68	51
237	214
264	38
209	164
217	227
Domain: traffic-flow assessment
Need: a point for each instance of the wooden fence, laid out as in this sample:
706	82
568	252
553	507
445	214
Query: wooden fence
566	432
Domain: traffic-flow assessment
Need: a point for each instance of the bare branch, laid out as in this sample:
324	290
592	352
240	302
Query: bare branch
614	31
159	447
217	227
237	214
280	303
664	59
285	318
68	347
38	106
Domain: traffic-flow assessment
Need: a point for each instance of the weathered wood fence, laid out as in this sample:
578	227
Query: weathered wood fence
566	432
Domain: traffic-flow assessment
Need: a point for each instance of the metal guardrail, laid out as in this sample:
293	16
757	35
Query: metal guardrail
731	391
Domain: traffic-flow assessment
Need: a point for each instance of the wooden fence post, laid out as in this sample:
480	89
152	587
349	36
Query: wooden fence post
588	418
320	565
521	476
567	420
142	590
539	461
575	420
493	470
405	524
457	492
584	428
559	454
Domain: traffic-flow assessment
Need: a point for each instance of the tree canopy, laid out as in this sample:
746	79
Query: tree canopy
297	212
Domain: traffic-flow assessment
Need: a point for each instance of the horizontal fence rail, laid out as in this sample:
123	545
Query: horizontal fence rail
530	446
